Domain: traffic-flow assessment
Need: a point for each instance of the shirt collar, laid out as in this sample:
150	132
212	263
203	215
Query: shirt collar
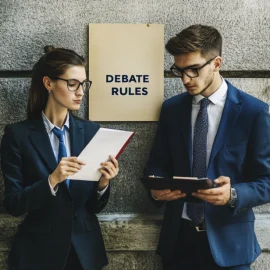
216	96
49	125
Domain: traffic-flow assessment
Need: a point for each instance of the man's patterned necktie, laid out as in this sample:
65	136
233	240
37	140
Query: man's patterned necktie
195	211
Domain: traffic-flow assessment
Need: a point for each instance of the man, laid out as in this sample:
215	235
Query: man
213	130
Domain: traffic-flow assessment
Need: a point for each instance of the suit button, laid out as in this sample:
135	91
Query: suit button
74	216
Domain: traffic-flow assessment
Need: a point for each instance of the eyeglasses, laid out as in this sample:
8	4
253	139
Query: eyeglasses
190	72
73	84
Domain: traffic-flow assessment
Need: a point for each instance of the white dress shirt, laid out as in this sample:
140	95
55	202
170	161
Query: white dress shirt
49	126
214	109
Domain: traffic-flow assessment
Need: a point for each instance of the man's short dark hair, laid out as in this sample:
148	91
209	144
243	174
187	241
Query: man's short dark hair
205	39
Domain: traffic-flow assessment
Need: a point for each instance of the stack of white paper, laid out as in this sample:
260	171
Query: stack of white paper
106	142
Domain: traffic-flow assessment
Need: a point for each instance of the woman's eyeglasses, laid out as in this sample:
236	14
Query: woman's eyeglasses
73	84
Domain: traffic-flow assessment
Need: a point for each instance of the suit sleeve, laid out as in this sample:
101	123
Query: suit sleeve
160	162
95	204
19	198
257	191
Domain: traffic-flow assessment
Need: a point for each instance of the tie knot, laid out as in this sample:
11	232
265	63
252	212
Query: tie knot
59	133
204	102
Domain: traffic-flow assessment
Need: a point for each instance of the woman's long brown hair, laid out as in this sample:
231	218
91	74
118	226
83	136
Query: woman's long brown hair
53	63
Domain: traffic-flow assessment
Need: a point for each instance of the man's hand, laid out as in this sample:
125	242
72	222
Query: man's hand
216	196
167	194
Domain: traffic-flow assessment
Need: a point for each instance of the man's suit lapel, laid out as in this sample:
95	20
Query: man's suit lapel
40	140
230	113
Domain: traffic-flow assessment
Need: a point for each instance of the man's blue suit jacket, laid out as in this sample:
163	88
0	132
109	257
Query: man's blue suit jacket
241	151
52	223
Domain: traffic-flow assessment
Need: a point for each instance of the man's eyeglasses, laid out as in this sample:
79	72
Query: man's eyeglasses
190	72
73	84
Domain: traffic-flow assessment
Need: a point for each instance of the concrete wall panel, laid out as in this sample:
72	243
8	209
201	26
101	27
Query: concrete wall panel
131	241
27	26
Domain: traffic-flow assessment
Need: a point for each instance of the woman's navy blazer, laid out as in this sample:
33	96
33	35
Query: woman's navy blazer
52	223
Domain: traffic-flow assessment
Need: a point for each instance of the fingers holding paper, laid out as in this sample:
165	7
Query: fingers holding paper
109	170
66	167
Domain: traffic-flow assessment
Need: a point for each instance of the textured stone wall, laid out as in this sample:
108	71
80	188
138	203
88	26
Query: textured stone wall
27	26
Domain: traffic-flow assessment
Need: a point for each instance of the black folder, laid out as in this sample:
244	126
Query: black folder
185	184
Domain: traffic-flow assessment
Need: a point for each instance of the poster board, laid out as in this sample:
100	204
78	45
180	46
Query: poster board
126	67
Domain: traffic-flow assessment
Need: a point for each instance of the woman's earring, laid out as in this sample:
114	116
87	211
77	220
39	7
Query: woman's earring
49	91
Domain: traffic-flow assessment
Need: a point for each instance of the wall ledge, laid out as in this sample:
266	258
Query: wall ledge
120	231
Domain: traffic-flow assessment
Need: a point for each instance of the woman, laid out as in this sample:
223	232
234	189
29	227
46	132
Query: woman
60	229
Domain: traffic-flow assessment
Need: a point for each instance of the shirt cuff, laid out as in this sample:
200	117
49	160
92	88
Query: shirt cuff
53	190
154	197
101	192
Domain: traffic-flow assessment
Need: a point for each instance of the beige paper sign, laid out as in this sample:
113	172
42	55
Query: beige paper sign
126	65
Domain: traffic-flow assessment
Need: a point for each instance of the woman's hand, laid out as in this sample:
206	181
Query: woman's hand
109	170
66	167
